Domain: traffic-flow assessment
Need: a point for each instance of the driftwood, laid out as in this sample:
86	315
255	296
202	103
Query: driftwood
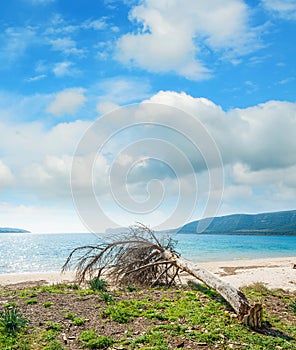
140	257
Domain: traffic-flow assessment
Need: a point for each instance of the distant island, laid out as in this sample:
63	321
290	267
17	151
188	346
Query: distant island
12	230
276	223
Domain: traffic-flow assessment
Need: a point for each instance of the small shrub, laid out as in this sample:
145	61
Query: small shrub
293	307
78	321
120	315
75	286
47	304
98	284
131	288
48	335
12	320
55	326
257	288
54	345
92	340
25	293
70	316
11	304
31	301
107	297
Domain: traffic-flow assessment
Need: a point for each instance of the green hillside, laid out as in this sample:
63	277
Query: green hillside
277	223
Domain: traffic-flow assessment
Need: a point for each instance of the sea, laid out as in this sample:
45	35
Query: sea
33	252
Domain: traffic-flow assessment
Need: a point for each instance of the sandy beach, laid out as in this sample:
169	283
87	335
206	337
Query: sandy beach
36	277
273	272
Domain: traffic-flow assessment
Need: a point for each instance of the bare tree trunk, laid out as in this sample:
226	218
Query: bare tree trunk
140	257
251	316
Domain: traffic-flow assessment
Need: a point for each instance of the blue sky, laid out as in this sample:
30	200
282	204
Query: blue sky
64	64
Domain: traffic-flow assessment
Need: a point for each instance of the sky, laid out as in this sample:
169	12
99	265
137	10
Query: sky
157	111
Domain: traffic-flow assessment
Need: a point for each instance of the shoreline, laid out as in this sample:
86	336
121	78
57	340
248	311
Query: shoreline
273	272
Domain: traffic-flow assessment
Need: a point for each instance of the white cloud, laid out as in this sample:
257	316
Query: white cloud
261	136
59	25
66	68
6	176
257	145
97	24
106	107
66	46
122	90
285	176
285	9
173	35
15	43
36	78
67	102
40	218
50	178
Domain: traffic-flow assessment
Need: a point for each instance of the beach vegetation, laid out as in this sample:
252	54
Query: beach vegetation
11	304
257	289
47	304
188	316
31	301
98	284
69	316
92	340
78	321
54	345
57	288
27	293
12	320
47	335
131	288
293	306
107	297
55	326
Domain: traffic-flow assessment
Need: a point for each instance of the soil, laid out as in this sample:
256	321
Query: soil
91	307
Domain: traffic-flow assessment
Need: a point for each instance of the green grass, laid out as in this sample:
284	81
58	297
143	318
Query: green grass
31	301
54	345
90	339
55	326
11	304
12	321
98	284
69	316
47	304
107	297
293	306
193	315
78	321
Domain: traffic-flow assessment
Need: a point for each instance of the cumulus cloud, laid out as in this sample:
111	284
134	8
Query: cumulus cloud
67	102
285	9
261	136
172	36
6	176
257	145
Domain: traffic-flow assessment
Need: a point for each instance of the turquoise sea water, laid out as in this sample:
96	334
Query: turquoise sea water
23	252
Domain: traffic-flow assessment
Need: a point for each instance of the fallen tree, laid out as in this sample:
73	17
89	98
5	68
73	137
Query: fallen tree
139	257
